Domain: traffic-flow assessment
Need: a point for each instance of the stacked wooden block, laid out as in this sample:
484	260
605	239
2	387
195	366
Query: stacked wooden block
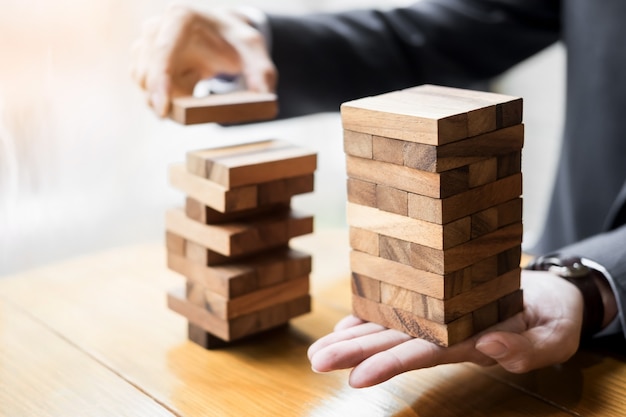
435	209
231	242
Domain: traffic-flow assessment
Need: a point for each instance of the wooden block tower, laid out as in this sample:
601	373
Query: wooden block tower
435	209
231	242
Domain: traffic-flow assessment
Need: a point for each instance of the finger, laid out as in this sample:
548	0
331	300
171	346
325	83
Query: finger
141	49
348	321
349	353
345	334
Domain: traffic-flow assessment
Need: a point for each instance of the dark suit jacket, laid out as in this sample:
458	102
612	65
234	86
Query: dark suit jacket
324	60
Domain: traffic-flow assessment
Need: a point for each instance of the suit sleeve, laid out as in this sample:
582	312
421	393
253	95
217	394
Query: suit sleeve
326	59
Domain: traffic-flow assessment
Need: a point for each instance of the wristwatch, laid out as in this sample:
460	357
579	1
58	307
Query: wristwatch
574	270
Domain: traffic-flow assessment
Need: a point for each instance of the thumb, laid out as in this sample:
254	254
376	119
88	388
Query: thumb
533	349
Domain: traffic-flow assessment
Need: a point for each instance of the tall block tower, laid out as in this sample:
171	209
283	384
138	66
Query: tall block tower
435	209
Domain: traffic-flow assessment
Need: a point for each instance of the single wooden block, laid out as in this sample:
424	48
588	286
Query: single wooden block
485	316
398	297
484	222
407	322
388	150
175	244
358	144
408	229
431	114
431	184
483	172
366	287
391	200
234	239
211	194
466	254
279	191
394	249
206	340
509	164
362	192
481	106
500	143
252	163
230	308
364	241
199	212
239	327
268	318
510	305
236	107
445	210
510	212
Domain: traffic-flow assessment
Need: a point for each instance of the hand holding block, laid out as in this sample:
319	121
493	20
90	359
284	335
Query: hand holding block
237	107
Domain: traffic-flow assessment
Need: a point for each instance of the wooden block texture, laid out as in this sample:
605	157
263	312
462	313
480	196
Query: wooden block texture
252	163
236	107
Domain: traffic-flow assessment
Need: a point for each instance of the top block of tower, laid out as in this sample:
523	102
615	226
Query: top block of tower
253	163
431	114
236	107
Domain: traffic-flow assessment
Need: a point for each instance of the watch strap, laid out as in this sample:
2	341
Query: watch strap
574	270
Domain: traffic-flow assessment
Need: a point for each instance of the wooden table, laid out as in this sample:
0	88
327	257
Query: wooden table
93	337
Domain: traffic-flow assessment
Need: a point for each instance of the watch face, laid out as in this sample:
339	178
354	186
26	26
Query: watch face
564	267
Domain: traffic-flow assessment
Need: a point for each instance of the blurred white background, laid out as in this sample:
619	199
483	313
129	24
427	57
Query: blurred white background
83	161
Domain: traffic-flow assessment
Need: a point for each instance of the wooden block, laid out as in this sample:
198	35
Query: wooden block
403	116
393	249
411	230
466	254
510	212
480	106
229	308
509	259
510	305
401	275
366	287
266	197
464	204
242	326
431	114
279	191
485	316
269	318
227	280
500	143
203	338
484	222
431	184
357	144
445	311
245	275
211	194
236	107
177	302
362	192
253	163
391	200
199	212
364	241
509	164
395	318
388	150
235	239
396	297
483	172
175	244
